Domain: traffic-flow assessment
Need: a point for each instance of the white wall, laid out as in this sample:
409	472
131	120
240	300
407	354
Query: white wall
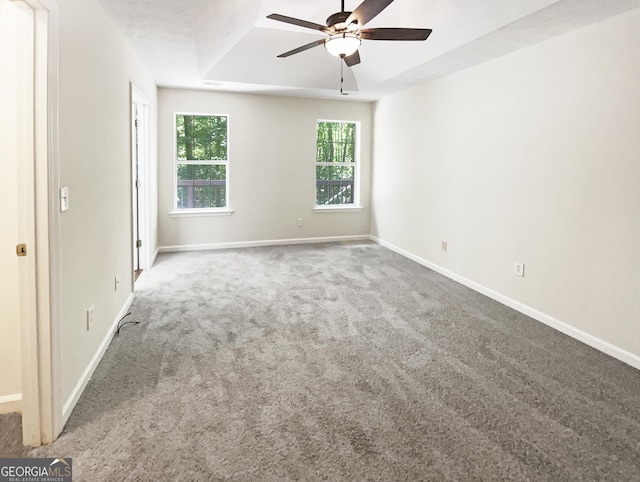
96	67
10	378
533	157
272	170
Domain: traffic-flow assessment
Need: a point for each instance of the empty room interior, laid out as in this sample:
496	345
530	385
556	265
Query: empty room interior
321	240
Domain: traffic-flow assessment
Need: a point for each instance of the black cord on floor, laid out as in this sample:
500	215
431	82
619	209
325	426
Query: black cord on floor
125	323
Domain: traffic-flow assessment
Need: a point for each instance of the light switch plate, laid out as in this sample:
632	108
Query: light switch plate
64	199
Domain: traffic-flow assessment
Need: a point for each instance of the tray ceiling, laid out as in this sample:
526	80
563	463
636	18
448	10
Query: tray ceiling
230	45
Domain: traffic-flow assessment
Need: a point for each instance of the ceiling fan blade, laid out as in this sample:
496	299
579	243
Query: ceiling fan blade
395	33
367	11
302	49
300	23
353	59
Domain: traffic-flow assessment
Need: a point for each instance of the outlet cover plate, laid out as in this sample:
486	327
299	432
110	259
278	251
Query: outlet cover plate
518	269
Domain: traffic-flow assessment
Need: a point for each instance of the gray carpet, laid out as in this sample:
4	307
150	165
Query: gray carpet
343	362
11	436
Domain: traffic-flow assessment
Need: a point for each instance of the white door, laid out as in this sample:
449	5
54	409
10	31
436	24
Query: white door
10	327
28	352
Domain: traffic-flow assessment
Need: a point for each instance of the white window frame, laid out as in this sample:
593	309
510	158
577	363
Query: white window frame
355	206
190	212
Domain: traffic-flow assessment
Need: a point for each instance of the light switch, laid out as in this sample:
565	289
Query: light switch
64	199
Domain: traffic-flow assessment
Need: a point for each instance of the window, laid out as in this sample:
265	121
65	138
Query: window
336	163
201	161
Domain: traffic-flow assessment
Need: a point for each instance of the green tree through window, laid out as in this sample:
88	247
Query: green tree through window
201	161
335	163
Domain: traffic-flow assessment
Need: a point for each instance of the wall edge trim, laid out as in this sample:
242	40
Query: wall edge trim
259	243
11	403
71	401
561	326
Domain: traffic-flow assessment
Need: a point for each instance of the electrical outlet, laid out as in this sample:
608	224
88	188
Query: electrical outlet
518	269
299	221
116	282
90	317
443	245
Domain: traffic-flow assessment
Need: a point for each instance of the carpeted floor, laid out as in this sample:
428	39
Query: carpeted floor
343	362
11	436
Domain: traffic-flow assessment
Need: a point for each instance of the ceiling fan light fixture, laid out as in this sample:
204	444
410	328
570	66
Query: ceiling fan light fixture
342	44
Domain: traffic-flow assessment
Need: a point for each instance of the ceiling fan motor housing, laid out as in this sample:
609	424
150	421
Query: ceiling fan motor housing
337	18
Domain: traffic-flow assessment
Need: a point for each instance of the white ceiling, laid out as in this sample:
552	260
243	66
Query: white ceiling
231	45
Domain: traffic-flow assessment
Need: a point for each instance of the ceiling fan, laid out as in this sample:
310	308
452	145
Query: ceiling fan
345	32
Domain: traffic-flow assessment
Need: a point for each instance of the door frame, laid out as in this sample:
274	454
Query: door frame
40	342
140	172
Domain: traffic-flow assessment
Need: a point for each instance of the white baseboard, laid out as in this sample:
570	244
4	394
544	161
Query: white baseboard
11	403
154	257
93	364
567	329
255	244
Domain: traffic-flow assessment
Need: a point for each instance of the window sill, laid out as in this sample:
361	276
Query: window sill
337	209
194	213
